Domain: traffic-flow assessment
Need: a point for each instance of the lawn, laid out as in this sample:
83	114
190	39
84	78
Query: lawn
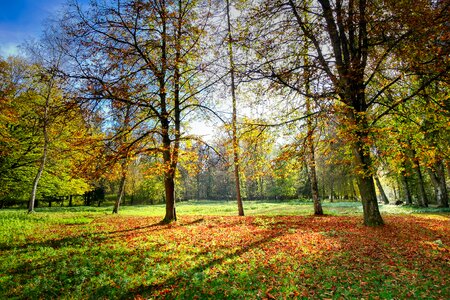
278	251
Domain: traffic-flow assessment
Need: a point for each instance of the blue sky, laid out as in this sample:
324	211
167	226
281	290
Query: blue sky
23	19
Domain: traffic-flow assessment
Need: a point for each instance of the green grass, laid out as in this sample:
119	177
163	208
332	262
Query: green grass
252	208
277	251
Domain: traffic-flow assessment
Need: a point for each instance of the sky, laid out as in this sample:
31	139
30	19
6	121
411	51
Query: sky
22	20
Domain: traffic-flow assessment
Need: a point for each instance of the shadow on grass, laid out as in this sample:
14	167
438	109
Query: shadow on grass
91	260
148	290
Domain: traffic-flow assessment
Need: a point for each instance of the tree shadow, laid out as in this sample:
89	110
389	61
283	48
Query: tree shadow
147	290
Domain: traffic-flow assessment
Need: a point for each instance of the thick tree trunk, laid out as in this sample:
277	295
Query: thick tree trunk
372	216
364	177
440	187
169	185
234	116
349	46
381	190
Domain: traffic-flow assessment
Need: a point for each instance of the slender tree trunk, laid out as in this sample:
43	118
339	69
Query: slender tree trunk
120	194
312	164
423	199
234	116
396	192
332	192
37	178
43	158
310	155
381	190
405	185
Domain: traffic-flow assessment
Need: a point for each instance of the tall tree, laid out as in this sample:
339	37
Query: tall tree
47	95
236	161
149	54
124	152
353	41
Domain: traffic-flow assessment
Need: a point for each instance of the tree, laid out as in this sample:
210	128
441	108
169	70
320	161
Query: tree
43	137
353	42
148	54
234	114
48	80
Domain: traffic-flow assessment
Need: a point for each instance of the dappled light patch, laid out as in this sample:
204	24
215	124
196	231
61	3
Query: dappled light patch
230	257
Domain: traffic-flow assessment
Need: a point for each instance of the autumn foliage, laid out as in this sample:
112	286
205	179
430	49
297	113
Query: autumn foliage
254	257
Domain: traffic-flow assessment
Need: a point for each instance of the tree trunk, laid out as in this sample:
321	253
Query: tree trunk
438	180
120	195
169	151
169	185
312	164
404	181
364	177
381	190
234	116
31	203
310	155
372	216
70	201
423	199
43	158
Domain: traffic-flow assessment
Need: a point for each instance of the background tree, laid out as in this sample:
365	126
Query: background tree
35	97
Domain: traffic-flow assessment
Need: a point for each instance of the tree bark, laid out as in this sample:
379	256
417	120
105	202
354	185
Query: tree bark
234	116
423	199
440	187
404	181
37	177
381	190
363	163
349	44
171	149
312	163
43	158
169	185
120	194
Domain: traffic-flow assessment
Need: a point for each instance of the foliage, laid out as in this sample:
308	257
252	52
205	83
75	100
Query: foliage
83	253
21	137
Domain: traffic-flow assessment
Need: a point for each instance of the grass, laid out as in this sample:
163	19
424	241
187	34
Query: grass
277	251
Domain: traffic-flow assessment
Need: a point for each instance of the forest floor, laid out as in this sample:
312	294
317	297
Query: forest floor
278	251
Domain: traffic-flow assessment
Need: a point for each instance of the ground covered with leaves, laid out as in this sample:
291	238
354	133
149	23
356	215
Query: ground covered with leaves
74	255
